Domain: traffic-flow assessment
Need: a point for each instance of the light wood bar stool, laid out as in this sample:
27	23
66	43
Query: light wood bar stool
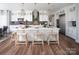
21	38
53	36
12	37
40	37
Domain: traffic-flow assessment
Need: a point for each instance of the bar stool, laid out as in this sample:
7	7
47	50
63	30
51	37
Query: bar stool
31	35
40	37
12	37
21	38
56	33
52	36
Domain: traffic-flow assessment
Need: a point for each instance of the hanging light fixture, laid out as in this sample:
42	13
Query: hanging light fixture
22	11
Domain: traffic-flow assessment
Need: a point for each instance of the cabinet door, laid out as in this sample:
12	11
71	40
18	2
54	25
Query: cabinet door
74	33
77	23
77	36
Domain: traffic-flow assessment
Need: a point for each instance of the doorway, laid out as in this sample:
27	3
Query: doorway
61	23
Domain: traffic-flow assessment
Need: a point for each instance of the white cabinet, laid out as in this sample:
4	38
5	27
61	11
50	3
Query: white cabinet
27	17
77	23
71	13
43	17
71	31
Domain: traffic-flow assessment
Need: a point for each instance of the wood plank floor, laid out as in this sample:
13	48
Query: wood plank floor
67	46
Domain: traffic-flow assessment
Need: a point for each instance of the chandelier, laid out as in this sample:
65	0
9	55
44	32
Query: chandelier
22	11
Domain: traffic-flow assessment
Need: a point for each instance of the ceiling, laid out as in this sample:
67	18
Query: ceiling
31	6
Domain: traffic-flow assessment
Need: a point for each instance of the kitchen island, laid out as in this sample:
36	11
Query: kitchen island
38	33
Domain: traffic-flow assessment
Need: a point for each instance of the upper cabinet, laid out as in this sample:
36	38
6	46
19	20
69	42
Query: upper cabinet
15	16
71	13
43	17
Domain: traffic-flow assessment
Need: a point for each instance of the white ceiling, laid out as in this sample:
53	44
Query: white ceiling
31	6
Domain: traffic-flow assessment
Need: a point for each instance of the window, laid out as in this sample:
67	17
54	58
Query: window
43	17
3	20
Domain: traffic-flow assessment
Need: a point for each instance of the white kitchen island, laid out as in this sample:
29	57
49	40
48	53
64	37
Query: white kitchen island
46	34
32	33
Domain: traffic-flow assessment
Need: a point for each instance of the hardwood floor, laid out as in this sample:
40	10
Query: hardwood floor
67	46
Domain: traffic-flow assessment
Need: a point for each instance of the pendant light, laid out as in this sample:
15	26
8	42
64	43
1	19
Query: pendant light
22	11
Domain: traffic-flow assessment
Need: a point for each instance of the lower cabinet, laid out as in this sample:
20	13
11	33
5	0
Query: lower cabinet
72	32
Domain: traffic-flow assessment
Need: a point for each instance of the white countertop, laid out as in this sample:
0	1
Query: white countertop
32	27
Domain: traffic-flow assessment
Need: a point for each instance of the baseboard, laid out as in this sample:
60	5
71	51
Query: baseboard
69	37
77	41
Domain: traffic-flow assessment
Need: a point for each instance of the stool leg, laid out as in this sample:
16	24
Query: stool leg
26	41
48	42
42	43
57	38
15	43
11	39
32	42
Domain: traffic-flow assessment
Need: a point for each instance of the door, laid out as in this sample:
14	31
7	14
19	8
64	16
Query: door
62	23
